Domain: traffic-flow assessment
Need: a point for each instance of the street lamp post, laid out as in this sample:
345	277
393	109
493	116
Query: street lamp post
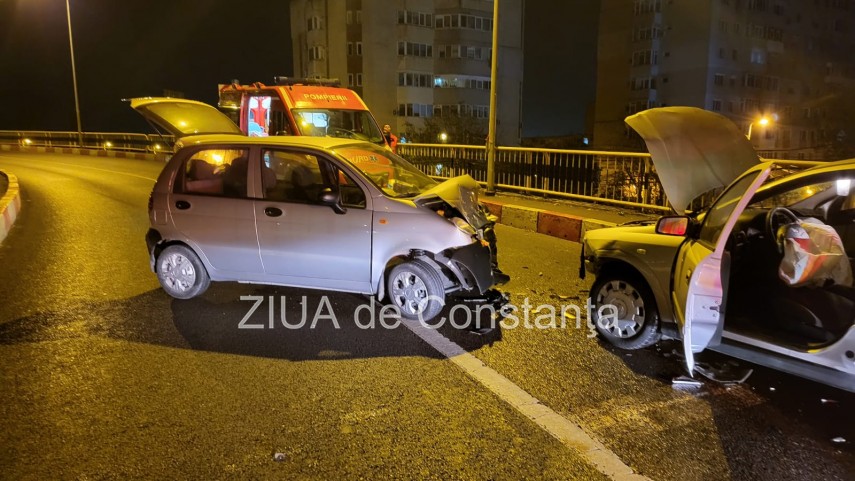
74	76
491	129
762	121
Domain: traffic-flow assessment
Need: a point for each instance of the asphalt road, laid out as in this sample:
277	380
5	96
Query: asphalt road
105	377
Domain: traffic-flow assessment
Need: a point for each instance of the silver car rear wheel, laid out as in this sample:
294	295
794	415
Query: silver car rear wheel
635	323
181	273
415	288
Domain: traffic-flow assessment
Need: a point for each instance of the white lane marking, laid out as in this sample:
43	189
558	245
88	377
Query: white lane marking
570	434
88	167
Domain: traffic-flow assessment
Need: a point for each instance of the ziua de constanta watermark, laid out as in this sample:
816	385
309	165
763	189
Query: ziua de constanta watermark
377	315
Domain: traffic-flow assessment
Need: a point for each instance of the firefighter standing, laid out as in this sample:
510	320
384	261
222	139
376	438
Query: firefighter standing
391	139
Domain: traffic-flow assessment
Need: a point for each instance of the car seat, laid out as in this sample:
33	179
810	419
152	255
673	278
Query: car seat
841	215
234	178
202	179
303	184
268	179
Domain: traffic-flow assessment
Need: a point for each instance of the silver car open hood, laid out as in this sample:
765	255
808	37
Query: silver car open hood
461	193
694	150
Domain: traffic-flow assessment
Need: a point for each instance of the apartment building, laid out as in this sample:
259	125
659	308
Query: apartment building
414	59
790	61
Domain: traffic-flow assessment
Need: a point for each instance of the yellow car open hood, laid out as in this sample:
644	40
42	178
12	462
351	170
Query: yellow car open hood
694	150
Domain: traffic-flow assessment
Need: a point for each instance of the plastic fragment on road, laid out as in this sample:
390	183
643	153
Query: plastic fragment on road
827	401
685	381
279	457
839	440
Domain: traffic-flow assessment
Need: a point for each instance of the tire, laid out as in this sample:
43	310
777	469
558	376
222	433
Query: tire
415	288
637	325
181	273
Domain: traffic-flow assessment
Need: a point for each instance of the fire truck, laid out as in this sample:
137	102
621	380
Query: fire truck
293	106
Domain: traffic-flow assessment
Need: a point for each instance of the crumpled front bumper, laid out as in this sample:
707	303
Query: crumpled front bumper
471	265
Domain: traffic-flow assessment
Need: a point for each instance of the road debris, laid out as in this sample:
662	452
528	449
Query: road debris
685	381
839	440
279	457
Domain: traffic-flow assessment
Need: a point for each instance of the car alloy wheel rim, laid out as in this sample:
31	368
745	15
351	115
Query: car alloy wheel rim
178	272
409	292
628	303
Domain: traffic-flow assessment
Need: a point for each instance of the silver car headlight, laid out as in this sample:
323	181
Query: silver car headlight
463	226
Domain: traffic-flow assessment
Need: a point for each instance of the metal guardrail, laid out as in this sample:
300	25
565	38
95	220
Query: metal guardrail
619	178
127	142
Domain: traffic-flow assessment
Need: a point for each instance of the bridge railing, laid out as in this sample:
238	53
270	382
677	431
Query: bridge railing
619	178
128	142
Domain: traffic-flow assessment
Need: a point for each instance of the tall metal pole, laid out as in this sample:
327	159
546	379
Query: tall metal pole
491	132
74	77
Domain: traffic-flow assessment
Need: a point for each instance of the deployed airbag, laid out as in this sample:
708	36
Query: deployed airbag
813	255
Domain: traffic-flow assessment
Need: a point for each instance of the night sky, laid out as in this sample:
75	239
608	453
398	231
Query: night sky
128	48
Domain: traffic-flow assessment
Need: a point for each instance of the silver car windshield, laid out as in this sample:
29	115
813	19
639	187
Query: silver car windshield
389	172
348	124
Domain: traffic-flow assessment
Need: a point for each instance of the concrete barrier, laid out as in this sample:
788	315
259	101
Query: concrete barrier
556	224
520	217
10	205
494	207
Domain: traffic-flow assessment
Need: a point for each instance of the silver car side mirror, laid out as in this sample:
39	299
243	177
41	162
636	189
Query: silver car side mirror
332	198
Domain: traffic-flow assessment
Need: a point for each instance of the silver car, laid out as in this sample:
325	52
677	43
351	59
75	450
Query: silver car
323	213
742	277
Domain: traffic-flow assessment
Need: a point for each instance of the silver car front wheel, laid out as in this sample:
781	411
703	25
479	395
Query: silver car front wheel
181	273
415	288
625	311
